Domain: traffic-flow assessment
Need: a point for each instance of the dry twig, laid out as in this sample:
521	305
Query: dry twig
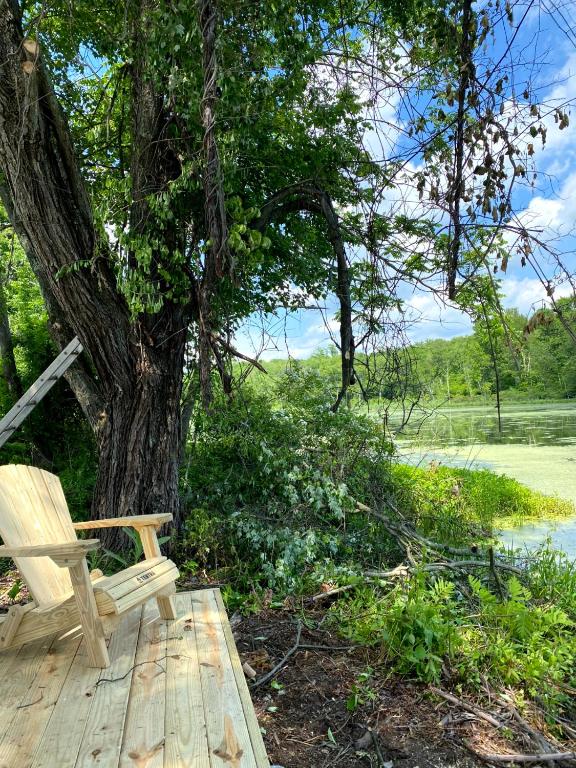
270	675
468	707
541	757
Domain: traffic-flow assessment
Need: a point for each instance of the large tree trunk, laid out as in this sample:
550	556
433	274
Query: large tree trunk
131	388
139	437
8	369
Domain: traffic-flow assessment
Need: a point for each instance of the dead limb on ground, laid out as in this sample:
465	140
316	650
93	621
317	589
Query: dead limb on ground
510	719
413	543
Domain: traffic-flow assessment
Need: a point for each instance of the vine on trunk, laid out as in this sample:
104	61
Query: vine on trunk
217	253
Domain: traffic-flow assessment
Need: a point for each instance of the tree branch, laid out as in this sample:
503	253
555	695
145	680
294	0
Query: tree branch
306	196
236	353
466	67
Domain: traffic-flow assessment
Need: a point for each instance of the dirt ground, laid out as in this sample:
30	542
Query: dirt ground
329	705
306	712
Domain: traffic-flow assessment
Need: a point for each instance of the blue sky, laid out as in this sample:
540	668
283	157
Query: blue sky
545	53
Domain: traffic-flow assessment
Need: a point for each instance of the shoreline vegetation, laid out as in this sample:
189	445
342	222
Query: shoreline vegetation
531	360
293	507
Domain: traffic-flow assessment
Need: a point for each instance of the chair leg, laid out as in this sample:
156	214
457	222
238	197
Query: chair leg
9	624
89	617
167	606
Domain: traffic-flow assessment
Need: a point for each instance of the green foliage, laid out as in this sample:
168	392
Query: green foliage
413	624
271	482
551	350
284	114
112	560
26	314
459	505
552	579
361	692
14	590
423	624
519	642
272	490
535	360
130	558
55	435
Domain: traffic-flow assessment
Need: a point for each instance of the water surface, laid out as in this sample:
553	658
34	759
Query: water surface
537	447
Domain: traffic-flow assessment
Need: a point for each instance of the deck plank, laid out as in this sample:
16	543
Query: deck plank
228	739
186	738
60	743
102	738
17	673
23	736
247	706
143	743
174	697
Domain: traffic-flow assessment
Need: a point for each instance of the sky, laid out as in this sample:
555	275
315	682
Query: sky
549	207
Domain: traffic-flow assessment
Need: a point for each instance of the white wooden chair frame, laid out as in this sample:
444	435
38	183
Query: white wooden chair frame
39	535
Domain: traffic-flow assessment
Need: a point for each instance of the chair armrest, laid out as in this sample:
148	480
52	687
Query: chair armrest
65	554
134	521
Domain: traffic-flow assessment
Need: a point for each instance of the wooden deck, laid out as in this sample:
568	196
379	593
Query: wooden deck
174	697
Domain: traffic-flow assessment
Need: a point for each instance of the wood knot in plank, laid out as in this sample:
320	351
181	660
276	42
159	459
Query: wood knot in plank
229	750
145	756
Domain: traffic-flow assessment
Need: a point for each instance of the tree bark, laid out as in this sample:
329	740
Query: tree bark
7	362
140	438
217	257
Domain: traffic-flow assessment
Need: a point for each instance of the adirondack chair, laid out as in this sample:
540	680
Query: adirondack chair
39	535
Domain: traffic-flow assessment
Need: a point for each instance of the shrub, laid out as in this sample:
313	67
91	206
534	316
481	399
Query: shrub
455	505
271	488
516	642
414	624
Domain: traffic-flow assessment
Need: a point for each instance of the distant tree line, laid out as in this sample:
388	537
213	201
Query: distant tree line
534	358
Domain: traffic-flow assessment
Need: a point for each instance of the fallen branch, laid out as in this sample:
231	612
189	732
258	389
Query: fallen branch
407	536
494	569
330	592
467	707
376	743
270	675
403	570
539	757
471	564
539	738
310	647
399	572
403	530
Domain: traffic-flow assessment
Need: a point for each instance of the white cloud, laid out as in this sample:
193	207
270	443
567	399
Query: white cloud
556	214
528	293
429	318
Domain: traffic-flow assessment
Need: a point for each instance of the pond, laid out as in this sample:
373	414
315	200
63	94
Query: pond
537	446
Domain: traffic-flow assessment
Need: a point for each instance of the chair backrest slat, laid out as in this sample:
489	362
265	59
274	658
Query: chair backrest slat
33	510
